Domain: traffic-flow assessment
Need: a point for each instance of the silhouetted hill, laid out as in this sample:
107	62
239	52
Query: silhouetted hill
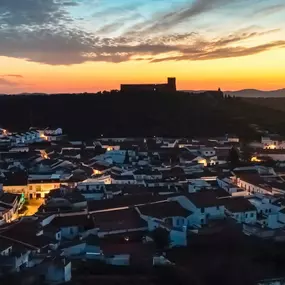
254	93
145	114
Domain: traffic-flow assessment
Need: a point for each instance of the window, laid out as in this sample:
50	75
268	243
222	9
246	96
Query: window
30	187
252	215
218	207
246	215
269	210
38	188
202	221
71	231
202	210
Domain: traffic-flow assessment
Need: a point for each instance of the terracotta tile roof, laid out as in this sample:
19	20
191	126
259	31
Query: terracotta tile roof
26	232
164	210
118	220
73	220
124	201
9	198
15	179
238	205
205	199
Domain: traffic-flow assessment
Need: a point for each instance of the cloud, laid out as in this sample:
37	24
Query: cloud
240	36
32	12
171	19
40	31
268	10
5	82
117	10
117	24
51	46
225	52
59	46
12	75
70	3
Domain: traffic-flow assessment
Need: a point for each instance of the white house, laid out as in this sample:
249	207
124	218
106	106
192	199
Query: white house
205	205
71	225
227	184
265	204
49	134
189	157
123	179
169	215
115	156
9	205
240	209
273	142
196	185
170	212
207	151
254	183
147	174
92	190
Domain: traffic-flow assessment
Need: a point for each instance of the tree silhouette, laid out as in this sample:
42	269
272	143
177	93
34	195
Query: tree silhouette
161	238
233	157
127	158
246	153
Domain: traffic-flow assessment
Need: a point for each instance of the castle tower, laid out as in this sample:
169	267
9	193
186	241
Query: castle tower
171	81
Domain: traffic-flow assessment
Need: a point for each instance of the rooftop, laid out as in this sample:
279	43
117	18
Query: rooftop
118	220
205	199
73	220
238	205
164	210
124	201
9	198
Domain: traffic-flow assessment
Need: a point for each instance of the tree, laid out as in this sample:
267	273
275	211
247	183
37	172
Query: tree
98	150
233	157
127	158
247	153
161	238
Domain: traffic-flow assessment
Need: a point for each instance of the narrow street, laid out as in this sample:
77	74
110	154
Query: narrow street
32	207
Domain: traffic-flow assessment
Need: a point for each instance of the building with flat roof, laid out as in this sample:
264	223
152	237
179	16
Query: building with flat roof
170	86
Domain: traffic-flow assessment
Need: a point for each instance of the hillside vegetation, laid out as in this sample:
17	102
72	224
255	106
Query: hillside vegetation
272	103
145	114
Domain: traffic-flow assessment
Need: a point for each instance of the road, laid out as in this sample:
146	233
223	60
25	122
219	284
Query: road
32	206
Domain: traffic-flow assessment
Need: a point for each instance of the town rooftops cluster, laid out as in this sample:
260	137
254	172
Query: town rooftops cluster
108	199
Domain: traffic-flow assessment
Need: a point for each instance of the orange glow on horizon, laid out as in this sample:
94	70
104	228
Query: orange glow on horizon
260	71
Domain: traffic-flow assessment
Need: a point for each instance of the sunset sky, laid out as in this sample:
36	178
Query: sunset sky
90	45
